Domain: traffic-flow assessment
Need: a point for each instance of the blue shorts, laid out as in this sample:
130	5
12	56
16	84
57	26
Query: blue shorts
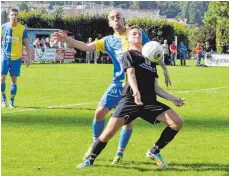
13	66
111	97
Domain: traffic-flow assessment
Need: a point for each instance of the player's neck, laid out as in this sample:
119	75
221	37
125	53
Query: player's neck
135	47
120	31
12	24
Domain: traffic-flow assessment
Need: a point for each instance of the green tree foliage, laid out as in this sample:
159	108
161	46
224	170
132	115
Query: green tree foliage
196	12
201	35
169	9
217	10
218	17
90	26
23	6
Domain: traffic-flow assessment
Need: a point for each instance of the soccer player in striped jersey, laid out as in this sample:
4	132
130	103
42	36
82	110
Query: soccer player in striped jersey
114	45
13	34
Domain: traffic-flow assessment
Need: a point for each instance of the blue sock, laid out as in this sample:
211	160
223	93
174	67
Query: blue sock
13	92
97	128
3	88
123	141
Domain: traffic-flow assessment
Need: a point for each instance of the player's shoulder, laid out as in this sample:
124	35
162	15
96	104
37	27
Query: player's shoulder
5	25
132	54
109	38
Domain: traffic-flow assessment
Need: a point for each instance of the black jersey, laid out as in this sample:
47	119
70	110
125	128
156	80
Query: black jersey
145	72
208	49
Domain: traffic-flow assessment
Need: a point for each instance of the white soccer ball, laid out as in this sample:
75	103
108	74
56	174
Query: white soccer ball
152	51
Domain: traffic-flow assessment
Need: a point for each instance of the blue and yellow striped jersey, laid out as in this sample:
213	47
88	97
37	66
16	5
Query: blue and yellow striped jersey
115	45
12	39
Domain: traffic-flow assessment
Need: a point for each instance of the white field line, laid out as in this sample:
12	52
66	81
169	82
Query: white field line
80	104
49	107
202	90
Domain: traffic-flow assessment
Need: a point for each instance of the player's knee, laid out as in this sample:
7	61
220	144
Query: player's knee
100	113
129	126
179	123
14	79
3	79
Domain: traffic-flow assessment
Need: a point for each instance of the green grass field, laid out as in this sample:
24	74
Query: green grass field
49	131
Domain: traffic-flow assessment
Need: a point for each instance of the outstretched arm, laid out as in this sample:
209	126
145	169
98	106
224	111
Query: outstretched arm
160	92
62	37
166	74
133	84
28	50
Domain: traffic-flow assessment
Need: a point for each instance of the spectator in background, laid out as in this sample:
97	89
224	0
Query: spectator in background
43	42
165	48
173	53
37	43
207	49
96	54
47	43
54	44
183	53
198	51
89	54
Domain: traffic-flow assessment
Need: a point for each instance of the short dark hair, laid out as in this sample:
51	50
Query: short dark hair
13	10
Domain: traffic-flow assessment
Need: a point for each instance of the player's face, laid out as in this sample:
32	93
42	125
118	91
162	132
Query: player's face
135	36
13	17
116	20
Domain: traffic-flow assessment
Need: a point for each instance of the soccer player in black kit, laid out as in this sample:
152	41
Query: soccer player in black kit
139	99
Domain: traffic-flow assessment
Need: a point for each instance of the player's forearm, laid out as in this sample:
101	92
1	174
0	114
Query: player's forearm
162	64
28	50
160	92
80	45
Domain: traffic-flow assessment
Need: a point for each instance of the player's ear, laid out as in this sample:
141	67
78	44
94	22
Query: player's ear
109	24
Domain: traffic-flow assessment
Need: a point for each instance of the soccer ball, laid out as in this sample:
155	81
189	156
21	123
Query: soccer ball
152	51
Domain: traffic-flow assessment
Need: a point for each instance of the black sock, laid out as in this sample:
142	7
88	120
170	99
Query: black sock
167	135
96	150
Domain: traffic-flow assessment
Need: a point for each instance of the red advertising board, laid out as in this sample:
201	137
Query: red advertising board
24	54
69	54
59	55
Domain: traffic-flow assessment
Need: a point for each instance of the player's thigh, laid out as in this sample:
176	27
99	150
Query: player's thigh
127	109
4	67
111	97
170	117
15	68
153	110
101	112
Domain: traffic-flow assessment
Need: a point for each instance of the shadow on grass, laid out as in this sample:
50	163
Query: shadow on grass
79	117
200	167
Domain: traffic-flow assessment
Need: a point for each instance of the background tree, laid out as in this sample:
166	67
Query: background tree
23	6
217	16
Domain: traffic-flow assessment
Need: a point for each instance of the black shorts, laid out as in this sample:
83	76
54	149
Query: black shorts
149	111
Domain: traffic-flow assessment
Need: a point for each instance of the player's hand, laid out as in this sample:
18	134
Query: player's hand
167	79
137	98
58	37
178	101
28	62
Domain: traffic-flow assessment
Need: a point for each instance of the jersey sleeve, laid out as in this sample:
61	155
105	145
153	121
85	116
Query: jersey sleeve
145	38
100	45
128	61
25	34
